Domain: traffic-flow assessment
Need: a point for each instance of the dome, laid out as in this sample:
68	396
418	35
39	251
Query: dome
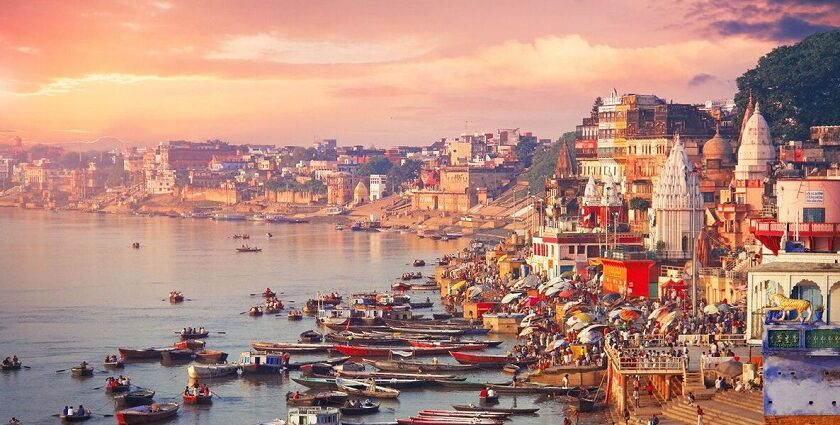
756	144
718	148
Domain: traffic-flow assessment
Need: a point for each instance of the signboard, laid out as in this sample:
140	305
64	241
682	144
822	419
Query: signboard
814	196
822	338
783	338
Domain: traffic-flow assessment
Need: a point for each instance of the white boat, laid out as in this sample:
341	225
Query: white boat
334	211
211	371
309	416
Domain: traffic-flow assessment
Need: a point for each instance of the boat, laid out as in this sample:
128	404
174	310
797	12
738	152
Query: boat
255	311
447	420
369	351
211	356
427	331
75	418
145	415
313	415
400	286
510	368
331	383
339	227
116	388
198	399
528	388
367	388
116	364
395	375
192	344
364	408
331	361
419	263
290	347
268	293
195	334
141	397
311	336
462	414
399	365
325	398
81	371
422	304
228	217
295	315
420	343
424	287
140	354
511	410
259	362
489	359
463	385
173	356
176	297
11	366
488	399
211	371
246	248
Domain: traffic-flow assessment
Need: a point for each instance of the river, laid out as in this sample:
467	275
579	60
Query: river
73	289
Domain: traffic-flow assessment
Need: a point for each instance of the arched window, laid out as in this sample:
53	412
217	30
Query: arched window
807	290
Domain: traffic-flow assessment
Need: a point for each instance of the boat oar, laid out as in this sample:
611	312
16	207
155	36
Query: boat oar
221	333
26	367
104	415
61	370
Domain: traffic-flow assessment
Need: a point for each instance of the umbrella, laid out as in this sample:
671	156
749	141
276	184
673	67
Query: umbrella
658	312
568	306
568	274
579	325
552	290
530	281
476	290
583	317
507	299
730	368
527	331
589	337
668	318
628	315
558	343
711	309
593	328
566	294
610	299
724	307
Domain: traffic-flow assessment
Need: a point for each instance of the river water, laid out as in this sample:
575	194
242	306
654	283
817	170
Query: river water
73	289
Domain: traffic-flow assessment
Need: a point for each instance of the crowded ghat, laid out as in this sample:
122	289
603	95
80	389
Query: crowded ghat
642	356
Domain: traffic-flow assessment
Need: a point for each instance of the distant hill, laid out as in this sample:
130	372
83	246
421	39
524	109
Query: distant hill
100	144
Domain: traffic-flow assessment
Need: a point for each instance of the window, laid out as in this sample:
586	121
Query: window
571	249
813	215
708	197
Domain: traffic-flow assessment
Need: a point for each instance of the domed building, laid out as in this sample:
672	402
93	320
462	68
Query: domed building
718	168
755	156
677	206
361	194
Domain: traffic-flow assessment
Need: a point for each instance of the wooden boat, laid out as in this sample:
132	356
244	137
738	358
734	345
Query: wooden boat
425	287
487	360
198	399
313	415
366	389
399	365
192	344
194	335
360	409
463	385
488	399
331	361
259	362
422	304
211	356
269	294
176	297
118	364
140	354
289	347
75	418
362	351
445	420
248	249
144	414
79	371
395	375
527	388
295	315
511	410
255	311
174	356
442	343
311	336
448	332
271	310
355	338
211	371
510	368
331	383
13	366
116	389
419	263
400	286
463	414
325	398
141	397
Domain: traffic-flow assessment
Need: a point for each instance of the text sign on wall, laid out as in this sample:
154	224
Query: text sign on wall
814	196
783	338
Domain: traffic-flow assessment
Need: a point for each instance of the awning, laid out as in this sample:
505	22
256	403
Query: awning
475	291
530	281
458	286
502	258
675	284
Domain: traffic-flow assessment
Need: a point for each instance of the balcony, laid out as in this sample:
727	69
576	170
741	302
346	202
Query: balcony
774	228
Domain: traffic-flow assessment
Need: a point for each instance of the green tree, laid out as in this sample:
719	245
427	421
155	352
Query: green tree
545	161
796	86
378	165
409	170
525	149
639	204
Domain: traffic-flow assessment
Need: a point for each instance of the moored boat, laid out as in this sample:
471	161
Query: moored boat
511	410
488	359
246	248
192	344
211	371
362	351
290	347
259	362
147	415
311	336
367	388
175	356
140	354
419	263
331	361
313	415
211	356
363	408
331	383
324	398
399	365
141	397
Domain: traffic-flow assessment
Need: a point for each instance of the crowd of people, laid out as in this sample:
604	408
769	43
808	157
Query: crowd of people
201	390
11	361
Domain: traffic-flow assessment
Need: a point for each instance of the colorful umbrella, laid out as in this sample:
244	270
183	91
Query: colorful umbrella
711	309
589	337
579	325
668	318
507	299
593	328
629	315
566	294
527	331
610	299
657	312
569	305
724	307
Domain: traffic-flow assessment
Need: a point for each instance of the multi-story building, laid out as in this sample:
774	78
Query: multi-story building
340	188
160	182
378	183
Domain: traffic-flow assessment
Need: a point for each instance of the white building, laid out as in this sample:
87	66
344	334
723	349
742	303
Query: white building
377	186
677	205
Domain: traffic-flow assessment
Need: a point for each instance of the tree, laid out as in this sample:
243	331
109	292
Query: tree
640	204
525	149
398	174
545	161
596	104
796	86
378	165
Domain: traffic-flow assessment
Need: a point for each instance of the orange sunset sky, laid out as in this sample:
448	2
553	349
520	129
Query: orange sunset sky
365	72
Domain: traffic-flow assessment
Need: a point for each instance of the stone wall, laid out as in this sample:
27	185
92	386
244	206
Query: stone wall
225	196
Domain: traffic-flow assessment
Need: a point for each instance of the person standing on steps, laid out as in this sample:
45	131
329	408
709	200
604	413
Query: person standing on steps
699	415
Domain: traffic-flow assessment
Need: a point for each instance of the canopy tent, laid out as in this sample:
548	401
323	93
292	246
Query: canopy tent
475	291
507	299
530	281
457	287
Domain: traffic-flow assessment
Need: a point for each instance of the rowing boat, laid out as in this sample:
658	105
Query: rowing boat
141	397
74	418
325	398
211	371
290	347
198	399
488	359
368	388
331	383
332	361
140	354
393	375
211	356
462	414
361	409
462	385
360	351
511	410
398	366
145	415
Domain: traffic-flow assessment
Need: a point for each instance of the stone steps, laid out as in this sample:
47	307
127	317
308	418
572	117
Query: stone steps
715	413
753	402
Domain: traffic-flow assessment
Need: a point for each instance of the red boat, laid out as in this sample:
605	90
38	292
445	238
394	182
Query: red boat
488	359
198	399
211	356
445	420
141	354
367	351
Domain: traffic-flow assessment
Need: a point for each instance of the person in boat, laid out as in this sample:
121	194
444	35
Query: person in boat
483	393
83	364
81	411
296	395
15	421
70	411
491	393
154	408
187	390
7	361
286	358
15	360
64	412
204	390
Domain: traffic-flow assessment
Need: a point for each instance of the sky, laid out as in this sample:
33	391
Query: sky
367	72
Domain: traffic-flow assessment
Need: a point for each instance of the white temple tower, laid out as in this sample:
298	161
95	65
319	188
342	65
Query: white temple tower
677	205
